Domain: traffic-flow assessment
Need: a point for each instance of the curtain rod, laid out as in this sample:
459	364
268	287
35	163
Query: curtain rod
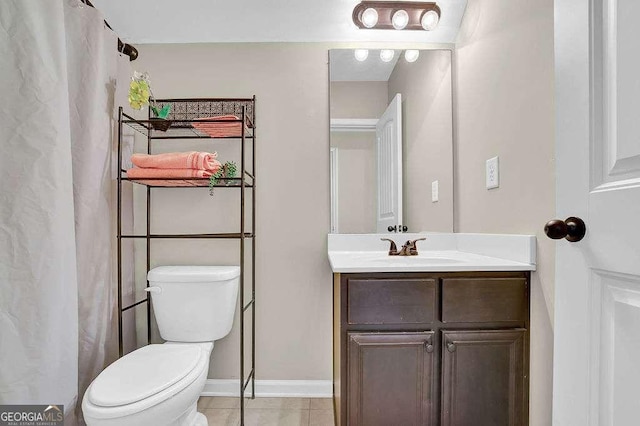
125	48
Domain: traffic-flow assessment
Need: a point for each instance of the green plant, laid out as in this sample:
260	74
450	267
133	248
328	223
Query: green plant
228	170
140	94
161	113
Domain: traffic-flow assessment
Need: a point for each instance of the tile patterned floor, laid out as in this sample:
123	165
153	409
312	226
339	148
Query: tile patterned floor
268	411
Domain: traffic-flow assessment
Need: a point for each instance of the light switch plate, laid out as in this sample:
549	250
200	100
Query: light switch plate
493	173
434	191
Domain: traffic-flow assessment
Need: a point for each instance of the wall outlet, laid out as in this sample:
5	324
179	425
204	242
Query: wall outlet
434	191
493	173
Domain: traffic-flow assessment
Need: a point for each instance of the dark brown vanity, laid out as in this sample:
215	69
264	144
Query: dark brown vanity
430	348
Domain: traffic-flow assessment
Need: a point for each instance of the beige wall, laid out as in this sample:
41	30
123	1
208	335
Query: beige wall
505	108
358	99
356	153
294	278
427	146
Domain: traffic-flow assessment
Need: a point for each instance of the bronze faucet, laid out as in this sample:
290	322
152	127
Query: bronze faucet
408	249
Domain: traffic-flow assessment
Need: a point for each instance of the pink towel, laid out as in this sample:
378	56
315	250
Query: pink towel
217	129
155	177
178	160
140	173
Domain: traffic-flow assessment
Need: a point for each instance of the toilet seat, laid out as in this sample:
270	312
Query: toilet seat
146	377
143	373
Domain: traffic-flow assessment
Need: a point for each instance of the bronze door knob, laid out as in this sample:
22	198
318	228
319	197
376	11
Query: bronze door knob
572	229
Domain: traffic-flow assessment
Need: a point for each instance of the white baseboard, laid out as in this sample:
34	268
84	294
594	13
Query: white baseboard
271	388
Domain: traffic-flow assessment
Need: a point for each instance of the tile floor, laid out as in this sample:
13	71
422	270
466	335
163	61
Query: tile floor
268	411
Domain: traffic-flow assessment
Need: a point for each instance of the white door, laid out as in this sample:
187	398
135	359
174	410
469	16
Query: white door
597	296
389	167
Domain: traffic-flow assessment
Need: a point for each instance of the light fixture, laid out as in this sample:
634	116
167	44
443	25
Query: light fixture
411	55
400	19
386	55
429	20
399	15
361	54
369	17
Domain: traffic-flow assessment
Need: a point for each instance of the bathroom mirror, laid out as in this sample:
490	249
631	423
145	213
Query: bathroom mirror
391	141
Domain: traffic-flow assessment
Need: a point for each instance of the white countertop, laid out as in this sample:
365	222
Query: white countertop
352	253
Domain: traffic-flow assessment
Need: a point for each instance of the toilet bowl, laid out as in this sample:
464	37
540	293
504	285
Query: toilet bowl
159	385
154	385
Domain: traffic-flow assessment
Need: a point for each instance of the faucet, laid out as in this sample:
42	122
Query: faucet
408	249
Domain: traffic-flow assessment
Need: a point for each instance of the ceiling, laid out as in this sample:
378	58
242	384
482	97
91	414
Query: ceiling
216	21
345	67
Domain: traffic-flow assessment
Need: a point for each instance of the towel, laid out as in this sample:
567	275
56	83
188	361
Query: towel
218	129
141	173
144	176
178	160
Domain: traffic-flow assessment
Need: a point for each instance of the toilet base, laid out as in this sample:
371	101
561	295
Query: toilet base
200	420
192	417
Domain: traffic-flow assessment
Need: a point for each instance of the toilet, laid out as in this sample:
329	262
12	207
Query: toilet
160	384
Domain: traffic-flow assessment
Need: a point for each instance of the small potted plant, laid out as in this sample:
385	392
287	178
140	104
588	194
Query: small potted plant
140	94
223	176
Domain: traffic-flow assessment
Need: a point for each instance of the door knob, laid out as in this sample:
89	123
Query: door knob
572	229
391	228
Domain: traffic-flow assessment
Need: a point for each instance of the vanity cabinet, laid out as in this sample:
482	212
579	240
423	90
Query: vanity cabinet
446	349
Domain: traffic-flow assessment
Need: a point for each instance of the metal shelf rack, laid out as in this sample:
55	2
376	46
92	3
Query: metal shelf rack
184	114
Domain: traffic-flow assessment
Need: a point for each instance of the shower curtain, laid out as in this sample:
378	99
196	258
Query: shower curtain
59	90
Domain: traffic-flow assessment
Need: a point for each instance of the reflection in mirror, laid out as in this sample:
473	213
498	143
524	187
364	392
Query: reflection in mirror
391	141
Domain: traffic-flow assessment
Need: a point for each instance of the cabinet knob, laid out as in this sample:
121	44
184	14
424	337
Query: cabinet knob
429	347
451	347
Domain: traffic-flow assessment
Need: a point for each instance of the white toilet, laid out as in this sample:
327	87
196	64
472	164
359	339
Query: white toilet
159	385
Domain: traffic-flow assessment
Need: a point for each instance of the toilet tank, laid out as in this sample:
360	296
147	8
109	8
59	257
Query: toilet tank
194	303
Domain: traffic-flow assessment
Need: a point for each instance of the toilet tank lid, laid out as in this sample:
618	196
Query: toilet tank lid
193	273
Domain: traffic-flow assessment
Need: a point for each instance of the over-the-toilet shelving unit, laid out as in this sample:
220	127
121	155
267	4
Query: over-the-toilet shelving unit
184	114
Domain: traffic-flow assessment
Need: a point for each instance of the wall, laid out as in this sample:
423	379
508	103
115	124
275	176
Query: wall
356	153
505	107
358	99
291	84
427	146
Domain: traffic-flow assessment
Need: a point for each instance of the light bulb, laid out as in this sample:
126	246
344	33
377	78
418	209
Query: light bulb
386	55
430	20
369	17
361	54
400	19
411	55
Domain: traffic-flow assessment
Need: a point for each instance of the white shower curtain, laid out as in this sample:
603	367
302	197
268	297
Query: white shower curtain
59	70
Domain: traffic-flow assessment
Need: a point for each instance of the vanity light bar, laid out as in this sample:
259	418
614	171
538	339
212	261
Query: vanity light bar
406	15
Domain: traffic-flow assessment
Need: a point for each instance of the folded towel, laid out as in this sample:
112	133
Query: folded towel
218	129
141	173
178	160
220	118
173	182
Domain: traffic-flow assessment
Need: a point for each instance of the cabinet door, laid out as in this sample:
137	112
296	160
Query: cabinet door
390	379
483	382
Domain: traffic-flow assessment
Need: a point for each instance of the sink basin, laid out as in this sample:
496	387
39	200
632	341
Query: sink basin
383	259
414	260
